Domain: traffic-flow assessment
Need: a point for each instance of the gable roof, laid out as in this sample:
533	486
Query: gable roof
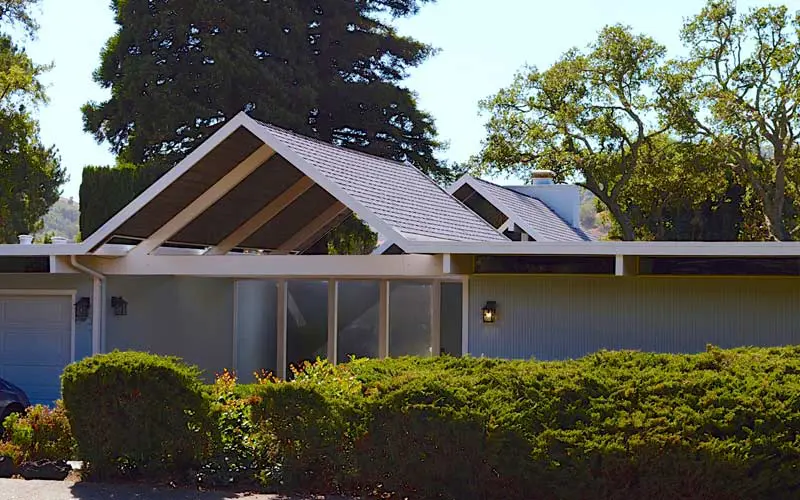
398	193
249	164
531	214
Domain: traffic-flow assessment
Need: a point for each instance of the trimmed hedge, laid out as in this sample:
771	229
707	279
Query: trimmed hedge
107	190
137	414
724	424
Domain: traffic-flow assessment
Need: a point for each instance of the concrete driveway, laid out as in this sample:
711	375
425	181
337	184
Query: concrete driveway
19	489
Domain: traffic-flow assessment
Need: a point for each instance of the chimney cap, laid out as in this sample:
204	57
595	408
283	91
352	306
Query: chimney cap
543	174
542	177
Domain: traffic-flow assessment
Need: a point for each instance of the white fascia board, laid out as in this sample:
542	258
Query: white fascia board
283	266
464	179
106	230
613	248
383	247
321	179
41	250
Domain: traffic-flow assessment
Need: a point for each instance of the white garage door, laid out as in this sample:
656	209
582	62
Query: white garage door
35	343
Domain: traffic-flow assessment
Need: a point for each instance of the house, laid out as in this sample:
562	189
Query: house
210	264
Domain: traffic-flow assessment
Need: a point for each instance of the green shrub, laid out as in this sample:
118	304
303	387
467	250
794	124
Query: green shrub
235	453
41	433
134	413
717	425
307	428
11	451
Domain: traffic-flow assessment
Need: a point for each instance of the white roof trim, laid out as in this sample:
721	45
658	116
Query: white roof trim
41	250
107	230
610	248
512	216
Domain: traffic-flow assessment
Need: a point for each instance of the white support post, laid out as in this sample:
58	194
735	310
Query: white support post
383	321
263	216
314	227
619	265
204	201
333	320
97	315
282	327
436	318
465	316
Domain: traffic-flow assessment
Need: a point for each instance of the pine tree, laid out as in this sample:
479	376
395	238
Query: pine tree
332	69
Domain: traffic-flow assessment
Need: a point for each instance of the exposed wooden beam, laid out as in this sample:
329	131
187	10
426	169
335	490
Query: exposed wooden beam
313	228
263	216
277	266
205	200
106	230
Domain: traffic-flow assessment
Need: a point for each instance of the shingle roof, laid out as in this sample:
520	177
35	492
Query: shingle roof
398	193
527	210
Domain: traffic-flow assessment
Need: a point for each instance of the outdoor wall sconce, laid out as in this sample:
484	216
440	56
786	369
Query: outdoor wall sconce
489	312
120	306
82	309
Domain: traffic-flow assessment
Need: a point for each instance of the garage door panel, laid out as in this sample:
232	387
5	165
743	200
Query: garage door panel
35	343
34	347
41	310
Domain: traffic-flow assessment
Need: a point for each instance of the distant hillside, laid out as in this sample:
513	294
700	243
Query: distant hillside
62	219
593	222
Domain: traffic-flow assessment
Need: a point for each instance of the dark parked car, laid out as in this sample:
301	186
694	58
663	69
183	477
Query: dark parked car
12	399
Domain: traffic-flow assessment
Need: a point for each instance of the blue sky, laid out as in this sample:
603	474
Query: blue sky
482	45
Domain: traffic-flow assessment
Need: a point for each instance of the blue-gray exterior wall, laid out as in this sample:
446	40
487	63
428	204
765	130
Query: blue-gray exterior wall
78	282
562	317
182	316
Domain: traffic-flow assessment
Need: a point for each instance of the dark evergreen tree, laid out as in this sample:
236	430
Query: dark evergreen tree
332	69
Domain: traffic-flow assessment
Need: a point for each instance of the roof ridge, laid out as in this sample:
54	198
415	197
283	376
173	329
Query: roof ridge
333	145
406	164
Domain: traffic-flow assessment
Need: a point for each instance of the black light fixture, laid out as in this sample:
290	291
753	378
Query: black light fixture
120	306
489	312
82	309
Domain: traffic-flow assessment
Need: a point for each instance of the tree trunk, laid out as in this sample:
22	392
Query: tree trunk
625	224
774	218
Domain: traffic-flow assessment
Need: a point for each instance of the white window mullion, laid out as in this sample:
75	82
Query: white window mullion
333	320
282	304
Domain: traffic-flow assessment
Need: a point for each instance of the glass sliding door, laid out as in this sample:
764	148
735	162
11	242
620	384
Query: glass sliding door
357	320
306	322
410	318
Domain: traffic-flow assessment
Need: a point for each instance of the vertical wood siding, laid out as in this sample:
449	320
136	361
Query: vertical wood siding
561	317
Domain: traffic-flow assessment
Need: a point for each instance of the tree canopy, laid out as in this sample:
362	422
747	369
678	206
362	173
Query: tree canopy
704	147
30	172
742	85
332	69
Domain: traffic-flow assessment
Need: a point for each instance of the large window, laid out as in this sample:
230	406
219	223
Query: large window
409	318
357	319
306	321
452	318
